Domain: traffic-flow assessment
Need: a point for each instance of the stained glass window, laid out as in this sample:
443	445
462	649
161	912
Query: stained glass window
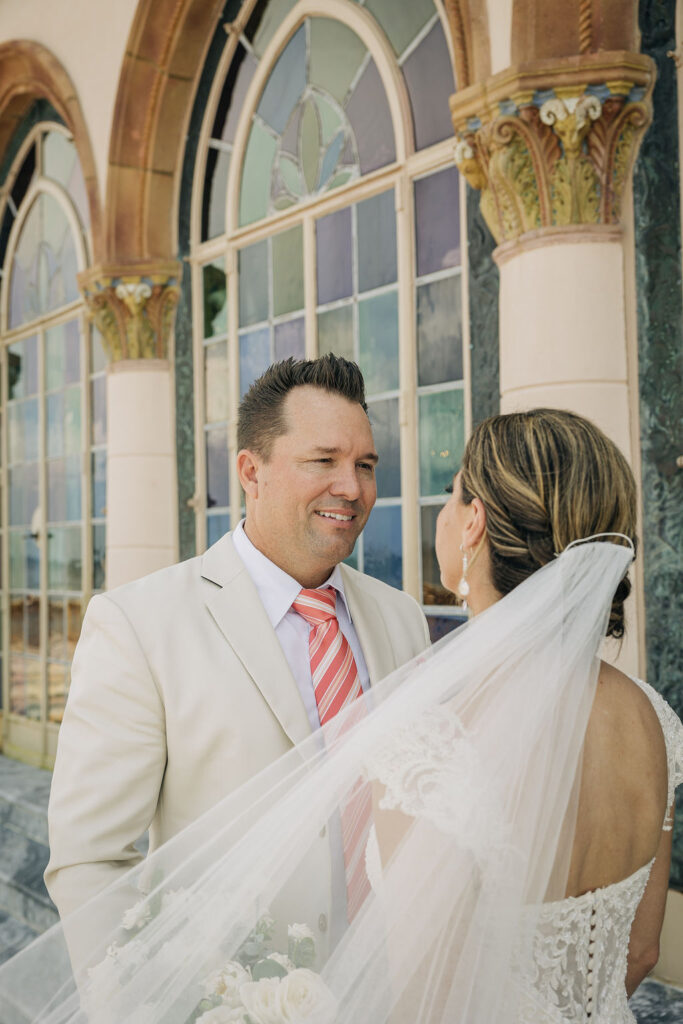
331	232
55	412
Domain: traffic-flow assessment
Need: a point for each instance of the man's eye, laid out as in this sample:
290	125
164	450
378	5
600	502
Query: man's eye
367	465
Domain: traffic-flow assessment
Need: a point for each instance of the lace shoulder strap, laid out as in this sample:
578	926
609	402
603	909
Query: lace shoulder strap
673	738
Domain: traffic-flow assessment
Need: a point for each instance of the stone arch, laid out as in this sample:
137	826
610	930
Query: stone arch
164	55
29	72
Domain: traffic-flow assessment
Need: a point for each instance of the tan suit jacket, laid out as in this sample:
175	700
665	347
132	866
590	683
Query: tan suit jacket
180	692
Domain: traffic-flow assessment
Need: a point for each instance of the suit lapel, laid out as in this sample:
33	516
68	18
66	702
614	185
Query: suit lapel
368	621
239	614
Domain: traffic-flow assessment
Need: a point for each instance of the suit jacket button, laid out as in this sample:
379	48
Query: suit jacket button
322	922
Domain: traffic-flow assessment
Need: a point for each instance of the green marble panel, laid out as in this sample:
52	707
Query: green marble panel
660	373
484	284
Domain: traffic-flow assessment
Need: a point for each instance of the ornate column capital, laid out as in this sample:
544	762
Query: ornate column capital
552	144
133	307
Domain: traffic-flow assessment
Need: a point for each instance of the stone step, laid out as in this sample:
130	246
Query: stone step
24	794
23	895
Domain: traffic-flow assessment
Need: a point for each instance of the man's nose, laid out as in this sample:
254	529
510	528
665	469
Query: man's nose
346	482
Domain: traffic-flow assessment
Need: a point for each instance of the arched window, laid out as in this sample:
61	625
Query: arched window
327	218
53	439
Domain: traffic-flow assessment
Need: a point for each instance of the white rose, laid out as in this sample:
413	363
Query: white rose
227	982
261	999
299	932
283	960
136	916
306	999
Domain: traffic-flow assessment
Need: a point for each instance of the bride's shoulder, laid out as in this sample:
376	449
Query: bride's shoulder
627	719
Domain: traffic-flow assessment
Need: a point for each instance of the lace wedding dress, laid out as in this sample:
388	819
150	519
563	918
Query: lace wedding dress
580	943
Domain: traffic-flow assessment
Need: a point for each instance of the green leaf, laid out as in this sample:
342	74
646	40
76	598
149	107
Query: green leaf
267	969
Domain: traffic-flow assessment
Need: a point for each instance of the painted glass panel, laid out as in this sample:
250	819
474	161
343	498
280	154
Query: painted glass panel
215	293
216	526
99	483
384	419
256	174
43	275
335	332
217	467
442	438
289	339
215	195
401	21
439	331
382	552
376	232
61	163
334	255
370	117
288	271
64	558
216	382
253	283
437	221
336	55
285	84
429	77
254	357
378	341
265	21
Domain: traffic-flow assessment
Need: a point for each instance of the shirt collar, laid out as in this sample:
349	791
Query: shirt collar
276	588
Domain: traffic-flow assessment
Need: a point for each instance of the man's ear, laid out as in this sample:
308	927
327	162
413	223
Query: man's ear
248	464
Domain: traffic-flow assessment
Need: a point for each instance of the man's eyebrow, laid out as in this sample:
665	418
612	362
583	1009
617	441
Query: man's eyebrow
370	457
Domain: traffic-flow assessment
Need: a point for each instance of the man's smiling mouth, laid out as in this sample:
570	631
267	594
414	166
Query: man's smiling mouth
336	515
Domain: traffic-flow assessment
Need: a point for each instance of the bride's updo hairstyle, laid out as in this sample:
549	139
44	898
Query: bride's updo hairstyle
547	477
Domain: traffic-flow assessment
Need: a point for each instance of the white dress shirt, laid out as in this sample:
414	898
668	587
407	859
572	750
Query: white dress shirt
277	590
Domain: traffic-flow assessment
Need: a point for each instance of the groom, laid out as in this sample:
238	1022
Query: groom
188	682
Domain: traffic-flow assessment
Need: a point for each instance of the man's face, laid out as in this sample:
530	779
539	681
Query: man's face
307	504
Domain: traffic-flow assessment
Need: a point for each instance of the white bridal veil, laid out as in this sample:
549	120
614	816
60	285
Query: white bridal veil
473	753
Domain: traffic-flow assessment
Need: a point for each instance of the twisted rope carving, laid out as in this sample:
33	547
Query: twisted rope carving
585	25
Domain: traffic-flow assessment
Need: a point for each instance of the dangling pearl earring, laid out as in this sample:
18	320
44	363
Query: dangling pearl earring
463	585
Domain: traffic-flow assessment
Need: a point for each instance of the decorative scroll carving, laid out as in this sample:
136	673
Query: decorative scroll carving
133	311
551	155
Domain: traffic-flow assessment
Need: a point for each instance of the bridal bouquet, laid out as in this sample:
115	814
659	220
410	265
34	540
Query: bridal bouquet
258	986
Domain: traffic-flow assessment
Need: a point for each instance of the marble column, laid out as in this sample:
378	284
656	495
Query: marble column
134	307
550	148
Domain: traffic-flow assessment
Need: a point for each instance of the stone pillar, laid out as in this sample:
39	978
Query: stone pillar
550	146
133	307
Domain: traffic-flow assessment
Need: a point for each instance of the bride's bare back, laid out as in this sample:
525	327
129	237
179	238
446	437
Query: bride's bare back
622	799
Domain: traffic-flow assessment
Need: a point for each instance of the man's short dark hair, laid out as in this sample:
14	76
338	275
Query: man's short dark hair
261	419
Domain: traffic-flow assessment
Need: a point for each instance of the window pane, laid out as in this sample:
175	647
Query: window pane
429	76
98	402
72	421
216	526
216	381
98	353
25	686
440	625
215	299
254	357
437	221
32	624
74	618
62	355
253	283
56	641
24	561
64	558
215	193
334	256
54	410
378	342
22	424
57	676
384	420
16	624
370	117
43	275
23	493
98	555
432	590
442	439
56	490
286	83
256	174
290	339
288	271
401	21
335	332
217	467
242	69
439	331
382	556
98	464
22	368
336	56
376	219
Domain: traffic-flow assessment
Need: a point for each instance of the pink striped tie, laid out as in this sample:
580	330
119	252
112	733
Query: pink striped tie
336	684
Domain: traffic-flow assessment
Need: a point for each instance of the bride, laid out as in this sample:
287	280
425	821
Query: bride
517	792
